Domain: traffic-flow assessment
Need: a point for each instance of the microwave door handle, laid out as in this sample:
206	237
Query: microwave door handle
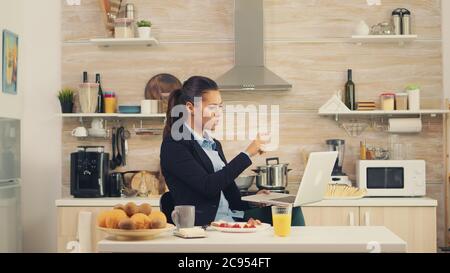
351	217
367	219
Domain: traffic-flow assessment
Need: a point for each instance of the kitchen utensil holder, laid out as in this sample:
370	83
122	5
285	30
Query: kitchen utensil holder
90	137
141	131
354	128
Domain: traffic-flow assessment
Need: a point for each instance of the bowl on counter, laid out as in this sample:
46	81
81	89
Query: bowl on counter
135	235
245	182
129	109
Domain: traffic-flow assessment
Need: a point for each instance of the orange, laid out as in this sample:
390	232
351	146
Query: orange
158	220
101	219
114	217
141	221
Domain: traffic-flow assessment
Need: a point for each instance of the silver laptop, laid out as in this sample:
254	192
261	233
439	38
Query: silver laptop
313	187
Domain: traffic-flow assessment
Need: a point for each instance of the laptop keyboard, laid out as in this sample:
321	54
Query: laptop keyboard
288	199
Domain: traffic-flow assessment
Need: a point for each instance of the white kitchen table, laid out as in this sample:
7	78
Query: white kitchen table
302	240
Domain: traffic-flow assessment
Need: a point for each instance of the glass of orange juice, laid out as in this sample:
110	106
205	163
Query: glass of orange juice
282	218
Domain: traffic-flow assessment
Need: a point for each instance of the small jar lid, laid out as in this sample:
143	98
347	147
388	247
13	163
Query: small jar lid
387	94
397	12
406	12
109	94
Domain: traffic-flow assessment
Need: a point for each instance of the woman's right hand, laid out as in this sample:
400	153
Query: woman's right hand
255	147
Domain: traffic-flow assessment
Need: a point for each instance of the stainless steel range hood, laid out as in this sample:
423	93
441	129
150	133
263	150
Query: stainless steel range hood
249	72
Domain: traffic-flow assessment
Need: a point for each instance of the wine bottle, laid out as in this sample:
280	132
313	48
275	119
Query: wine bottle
350	92
100	96
85	77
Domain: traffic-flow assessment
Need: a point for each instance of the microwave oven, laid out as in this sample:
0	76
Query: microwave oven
391	178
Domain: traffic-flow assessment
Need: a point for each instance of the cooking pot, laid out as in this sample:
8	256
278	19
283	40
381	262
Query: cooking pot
272	176
244	182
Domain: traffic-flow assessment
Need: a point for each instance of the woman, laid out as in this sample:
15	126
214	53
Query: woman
160	87
193	163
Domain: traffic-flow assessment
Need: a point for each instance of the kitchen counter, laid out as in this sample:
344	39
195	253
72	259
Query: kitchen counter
378	202
104	202
365	202
302	240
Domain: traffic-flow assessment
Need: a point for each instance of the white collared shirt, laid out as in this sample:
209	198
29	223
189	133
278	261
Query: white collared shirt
224	212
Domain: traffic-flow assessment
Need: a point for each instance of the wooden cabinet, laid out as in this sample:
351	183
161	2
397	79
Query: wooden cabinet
331	216
415	225
68	225
413	220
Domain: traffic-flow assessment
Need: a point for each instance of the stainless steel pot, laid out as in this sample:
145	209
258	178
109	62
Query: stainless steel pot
272	176
245	182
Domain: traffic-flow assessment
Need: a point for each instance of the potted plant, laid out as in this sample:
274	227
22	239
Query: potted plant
144	29
66	98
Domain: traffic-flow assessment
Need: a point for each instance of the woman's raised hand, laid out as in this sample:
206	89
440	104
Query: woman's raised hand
255	148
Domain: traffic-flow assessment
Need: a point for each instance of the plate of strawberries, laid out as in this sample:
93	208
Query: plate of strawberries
251	226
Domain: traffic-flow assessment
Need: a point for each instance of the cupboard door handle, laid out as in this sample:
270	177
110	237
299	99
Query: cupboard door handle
367	219
351	217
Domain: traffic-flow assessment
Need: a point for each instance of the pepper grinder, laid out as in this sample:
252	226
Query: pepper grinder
406	22
397	21
130	11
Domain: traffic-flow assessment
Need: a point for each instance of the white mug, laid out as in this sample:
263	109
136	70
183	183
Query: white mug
97	124
184	216
149	107
269	146
146	107
80	132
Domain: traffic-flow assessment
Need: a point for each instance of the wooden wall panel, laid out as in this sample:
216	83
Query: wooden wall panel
306	43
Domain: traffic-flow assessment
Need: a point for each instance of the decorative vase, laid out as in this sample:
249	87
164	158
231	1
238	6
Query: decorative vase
144	32
67	107
362	29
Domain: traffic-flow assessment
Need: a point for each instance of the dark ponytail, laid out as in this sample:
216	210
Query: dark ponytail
194	87
173	101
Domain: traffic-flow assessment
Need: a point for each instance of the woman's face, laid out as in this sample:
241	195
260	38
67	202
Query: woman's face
210	110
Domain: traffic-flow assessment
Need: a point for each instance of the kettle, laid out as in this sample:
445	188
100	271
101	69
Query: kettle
115	184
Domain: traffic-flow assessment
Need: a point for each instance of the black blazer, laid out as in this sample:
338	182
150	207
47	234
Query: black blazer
190	177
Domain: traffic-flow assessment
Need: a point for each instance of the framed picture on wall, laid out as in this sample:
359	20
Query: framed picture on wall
10	61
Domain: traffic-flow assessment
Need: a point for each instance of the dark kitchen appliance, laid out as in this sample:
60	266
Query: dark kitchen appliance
119	182
89	172
338	176
115	184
